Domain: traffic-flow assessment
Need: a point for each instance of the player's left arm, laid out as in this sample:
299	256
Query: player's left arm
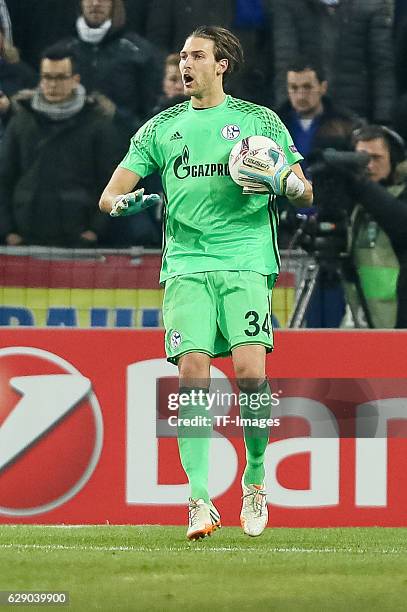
283	180
306	197
283	176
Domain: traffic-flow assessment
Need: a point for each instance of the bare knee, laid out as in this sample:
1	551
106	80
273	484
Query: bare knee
249	366
194	370
249	378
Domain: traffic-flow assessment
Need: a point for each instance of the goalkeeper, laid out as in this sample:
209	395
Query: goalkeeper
220	258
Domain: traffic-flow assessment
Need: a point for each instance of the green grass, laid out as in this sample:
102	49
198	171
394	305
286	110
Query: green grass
155	568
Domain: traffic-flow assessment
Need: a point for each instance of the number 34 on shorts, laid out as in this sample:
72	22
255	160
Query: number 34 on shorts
212	312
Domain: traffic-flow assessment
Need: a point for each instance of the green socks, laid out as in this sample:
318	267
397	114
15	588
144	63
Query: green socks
195	430
194	439
255	405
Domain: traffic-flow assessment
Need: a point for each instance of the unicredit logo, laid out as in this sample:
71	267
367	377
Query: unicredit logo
51	431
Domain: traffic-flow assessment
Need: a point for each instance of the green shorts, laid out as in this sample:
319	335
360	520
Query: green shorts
213	312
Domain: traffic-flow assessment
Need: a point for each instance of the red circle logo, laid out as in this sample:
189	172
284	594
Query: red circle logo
51	431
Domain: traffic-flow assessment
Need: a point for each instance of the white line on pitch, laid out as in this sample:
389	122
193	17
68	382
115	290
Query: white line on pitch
141	549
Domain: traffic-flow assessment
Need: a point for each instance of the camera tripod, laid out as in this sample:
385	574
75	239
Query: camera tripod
312	277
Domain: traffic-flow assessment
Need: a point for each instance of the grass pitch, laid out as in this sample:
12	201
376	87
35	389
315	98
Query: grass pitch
156	568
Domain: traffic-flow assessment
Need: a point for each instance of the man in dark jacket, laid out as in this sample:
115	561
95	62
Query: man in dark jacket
122	65
353	39
309	113
314	123
57	153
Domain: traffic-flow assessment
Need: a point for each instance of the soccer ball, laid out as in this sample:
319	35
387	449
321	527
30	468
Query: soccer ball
262	151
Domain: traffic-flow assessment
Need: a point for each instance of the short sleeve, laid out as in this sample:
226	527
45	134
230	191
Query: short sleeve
274	128
142	157
286	143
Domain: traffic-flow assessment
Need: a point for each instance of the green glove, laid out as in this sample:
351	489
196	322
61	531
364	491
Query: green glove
274	180
280	181
133	203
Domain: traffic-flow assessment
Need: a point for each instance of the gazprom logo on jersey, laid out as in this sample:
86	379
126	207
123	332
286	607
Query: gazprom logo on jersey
182	168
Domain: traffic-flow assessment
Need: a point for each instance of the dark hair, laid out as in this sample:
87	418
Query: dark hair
393	140
226	46
301	64
60	52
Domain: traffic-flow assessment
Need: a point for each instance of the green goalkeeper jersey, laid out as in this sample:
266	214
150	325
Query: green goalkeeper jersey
208	223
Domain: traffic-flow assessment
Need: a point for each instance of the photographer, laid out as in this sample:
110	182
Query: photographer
378	228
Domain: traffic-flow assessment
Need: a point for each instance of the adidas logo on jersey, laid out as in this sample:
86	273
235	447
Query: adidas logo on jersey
176	136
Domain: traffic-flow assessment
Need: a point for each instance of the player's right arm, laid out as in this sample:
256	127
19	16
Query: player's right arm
119	199
123	181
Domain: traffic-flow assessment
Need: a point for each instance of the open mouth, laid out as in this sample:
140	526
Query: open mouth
188	80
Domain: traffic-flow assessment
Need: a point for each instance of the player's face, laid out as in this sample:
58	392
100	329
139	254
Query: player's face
200	72
379	166
57	82
96	12
172	83
305	92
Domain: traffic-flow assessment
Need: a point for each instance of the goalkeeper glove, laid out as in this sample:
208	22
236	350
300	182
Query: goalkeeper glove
280	182
133	203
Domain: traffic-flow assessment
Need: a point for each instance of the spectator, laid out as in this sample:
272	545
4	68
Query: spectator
172	81
14	76
37	24
310	115
170	21
5	23
354	40
172	85
58	151
378	233
314	122
122	65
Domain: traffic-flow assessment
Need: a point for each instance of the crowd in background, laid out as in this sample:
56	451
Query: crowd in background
78	77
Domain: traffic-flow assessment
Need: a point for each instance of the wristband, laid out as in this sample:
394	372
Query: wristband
295	186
